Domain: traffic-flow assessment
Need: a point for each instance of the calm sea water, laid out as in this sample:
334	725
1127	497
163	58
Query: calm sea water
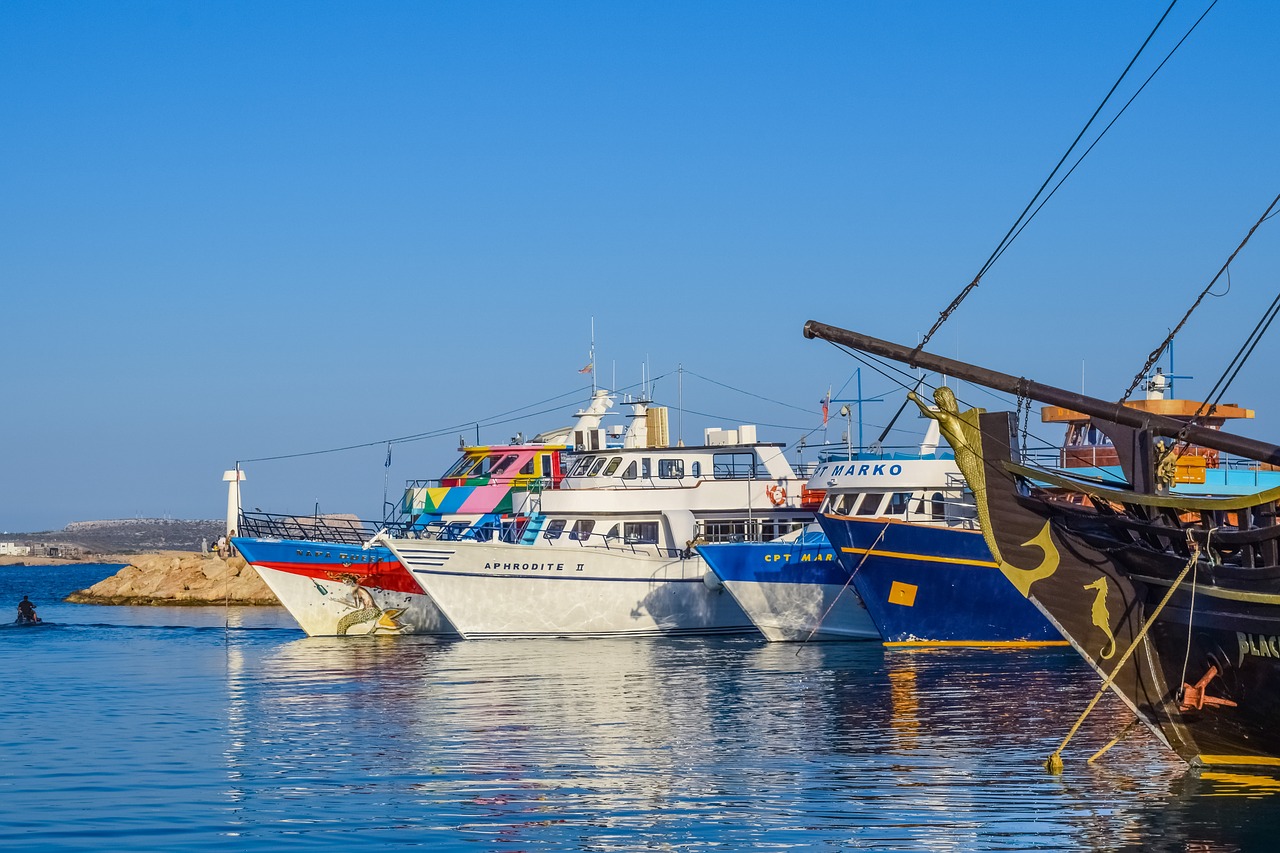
133	728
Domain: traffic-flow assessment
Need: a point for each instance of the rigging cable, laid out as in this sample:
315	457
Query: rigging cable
1158	351
1014	229
1116	118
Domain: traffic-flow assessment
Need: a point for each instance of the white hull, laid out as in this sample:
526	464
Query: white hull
502	590
790	612
330	608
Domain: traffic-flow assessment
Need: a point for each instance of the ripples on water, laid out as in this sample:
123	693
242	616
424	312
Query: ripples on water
205	728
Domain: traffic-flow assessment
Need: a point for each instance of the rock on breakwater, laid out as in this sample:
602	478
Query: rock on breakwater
178	577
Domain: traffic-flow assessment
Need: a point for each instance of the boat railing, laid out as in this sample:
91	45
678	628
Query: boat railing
338	530
902	452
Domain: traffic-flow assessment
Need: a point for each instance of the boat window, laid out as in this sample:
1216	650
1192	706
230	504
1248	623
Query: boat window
527	468
733	466
722	531
899	503
504	464
939	507
546	465
581	468
771	529
460	466
555	528
645	471
613	532
696	469
613	466
630	472
870	503
582	528
671	469
595	469
640	532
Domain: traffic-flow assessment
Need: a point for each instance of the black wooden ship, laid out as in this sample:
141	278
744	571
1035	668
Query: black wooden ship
1173	597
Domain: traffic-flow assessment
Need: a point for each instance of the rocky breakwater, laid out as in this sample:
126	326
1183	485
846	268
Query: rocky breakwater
179	577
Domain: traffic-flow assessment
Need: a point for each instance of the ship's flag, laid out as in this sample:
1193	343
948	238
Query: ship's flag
387	464
590	366
826	406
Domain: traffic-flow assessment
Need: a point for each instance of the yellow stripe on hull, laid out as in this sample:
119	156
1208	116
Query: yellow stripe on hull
924	558
1239	760
975	644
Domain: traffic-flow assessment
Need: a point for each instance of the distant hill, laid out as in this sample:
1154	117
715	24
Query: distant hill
127	535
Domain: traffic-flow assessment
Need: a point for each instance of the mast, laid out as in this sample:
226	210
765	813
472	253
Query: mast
1117	413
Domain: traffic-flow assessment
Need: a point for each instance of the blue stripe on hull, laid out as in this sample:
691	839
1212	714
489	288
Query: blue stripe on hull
917	592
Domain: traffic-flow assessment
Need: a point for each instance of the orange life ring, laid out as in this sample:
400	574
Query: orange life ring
777	494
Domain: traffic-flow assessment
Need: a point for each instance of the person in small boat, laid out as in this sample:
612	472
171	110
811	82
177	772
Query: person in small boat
27	611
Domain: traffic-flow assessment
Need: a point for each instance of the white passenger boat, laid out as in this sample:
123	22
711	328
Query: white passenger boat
334	583
610	551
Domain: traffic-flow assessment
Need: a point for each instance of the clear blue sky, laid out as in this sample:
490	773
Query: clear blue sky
233	230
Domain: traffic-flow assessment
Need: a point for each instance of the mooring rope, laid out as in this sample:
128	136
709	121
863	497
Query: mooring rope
1054	763
848	581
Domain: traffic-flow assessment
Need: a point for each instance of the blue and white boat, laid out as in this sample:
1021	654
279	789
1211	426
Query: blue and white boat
899	558
792	589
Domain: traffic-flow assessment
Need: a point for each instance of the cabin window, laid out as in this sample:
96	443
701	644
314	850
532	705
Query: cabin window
513	530
504	464
460	466
581	468
527	468
453	531
670	469
630	472
734	466
771	529
613	532
938	506
595	469
546	466
723	531
582	528
613	466
645	471
870	504
640	532
899	503
554	529
696	469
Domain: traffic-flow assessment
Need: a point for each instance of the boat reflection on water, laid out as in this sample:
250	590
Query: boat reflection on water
633	743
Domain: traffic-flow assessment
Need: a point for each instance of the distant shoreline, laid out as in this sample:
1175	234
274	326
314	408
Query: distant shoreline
96	559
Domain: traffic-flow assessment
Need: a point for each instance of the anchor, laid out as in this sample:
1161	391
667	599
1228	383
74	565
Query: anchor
1194	696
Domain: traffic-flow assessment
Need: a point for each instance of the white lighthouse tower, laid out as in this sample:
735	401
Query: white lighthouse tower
233	479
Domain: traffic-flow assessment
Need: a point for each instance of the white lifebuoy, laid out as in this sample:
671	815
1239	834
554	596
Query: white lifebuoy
777	495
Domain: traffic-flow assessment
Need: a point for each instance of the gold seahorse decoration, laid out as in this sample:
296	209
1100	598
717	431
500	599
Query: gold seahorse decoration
1101	616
